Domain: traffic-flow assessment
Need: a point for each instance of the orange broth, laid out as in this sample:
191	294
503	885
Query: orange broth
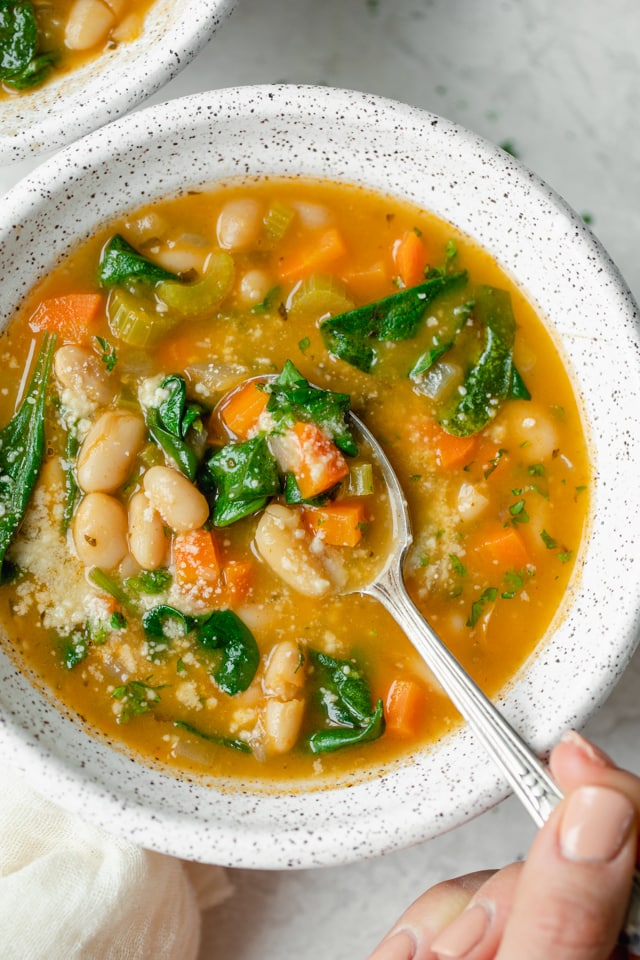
498	516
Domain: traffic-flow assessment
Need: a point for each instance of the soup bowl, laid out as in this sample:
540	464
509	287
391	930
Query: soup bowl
104	87
399	151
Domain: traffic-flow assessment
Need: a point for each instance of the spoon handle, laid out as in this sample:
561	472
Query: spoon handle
527	776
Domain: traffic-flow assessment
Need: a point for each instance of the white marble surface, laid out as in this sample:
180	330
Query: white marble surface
561	81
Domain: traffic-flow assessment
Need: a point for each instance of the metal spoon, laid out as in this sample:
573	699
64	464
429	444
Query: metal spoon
525	773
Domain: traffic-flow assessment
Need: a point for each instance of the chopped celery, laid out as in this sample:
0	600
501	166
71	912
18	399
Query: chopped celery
361	480
134	319
318	296
191	299
278	220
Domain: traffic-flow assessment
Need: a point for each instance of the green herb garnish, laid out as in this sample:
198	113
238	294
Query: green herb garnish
477	607
137	697
109	356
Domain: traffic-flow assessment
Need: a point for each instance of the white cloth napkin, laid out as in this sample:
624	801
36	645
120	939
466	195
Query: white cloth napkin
69	891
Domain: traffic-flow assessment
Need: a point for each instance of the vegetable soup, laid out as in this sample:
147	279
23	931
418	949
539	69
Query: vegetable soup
43	37
183	500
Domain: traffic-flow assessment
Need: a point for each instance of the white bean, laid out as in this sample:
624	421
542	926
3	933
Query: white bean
107	454
82	372
99	531
147	540
254	286
283	543
532	429
284	674
88	24
239	223
177	500
181	256
128	29
282	721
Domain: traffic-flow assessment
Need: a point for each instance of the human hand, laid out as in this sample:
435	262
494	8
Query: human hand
566	902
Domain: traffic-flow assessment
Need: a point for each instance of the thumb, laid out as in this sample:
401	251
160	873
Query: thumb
571	898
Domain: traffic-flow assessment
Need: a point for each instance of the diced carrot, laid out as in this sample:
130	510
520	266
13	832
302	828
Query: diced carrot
238	577
70	316
338	524
369	283
404	707
494	459
320	465
328	248
196	562
506	547
410	258
449	451
242	410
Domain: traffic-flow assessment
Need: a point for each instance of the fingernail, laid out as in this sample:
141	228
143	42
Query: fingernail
595	824
399	946
465	933
589	749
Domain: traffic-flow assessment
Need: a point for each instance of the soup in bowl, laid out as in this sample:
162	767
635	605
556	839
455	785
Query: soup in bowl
70	66
181	367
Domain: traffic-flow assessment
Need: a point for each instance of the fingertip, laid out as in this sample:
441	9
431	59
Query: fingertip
574	755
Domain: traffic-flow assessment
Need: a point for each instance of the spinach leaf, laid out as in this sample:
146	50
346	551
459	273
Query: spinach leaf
22	443
18	36
224	630
292	398
120	262
35	72
153	621
427	359
489	381
349	696
170	423
240	478
213	737
346	699
518	389
396	317
335	738
221	630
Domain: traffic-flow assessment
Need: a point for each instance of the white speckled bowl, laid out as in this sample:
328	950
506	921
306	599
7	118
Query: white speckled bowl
486	193
73	104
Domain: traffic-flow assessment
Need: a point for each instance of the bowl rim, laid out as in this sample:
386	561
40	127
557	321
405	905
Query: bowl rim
403	806
72	105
